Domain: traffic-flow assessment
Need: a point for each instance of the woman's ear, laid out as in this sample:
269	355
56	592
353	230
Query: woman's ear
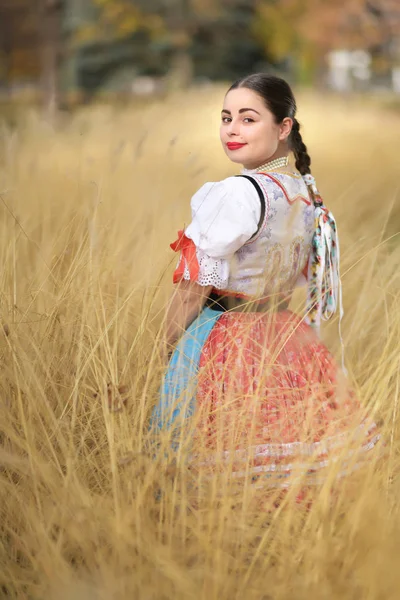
285	128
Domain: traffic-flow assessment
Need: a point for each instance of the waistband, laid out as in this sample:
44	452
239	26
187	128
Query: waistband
237	304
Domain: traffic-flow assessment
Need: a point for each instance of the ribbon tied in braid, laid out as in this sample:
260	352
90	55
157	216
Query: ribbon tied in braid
324	293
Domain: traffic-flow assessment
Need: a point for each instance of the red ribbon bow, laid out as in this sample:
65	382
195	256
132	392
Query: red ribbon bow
188	257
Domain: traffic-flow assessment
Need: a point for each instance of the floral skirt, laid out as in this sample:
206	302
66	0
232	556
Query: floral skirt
258	395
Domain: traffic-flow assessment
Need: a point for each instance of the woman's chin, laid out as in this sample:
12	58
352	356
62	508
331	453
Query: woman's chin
235	159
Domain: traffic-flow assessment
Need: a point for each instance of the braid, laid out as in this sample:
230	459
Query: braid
303	160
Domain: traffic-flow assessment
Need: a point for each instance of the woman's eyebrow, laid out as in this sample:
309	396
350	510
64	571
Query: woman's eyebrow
242	110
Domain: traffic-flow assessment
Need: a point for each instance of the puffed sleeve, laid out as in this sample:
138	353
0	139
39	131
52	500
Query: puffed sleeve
225	215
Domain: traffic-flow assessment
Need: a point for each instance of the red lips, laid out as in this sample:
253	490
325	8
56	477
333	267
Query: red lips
234	145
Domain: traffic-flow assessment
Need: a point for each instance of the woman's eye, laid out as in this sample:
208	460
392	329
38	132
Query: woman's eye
245	120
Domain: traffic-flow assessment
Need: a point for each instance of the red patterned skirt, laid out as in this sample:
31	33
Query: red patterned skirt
273	405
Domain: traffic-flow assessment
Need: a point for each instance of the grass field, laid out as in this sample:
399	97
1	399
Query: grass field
86	216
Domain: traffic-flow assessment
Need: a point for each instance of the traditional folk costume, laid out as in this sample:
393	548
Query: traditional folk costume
263	393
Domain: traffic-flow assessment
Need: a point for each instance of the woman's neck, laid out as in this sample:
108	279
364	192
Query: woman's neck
279	162
280	153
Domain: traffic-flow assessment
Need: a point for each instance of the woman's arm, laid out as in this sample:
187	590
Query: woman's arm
184	306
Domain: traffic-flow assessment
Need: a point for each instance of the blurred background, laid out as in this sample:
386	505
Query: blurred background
66	52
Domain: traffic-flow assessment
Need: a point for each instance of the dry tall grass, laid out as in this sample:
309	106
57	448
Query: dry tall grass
86	215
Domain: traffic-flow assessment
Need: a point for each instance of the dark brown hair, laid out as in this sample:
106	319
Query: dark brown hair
279	99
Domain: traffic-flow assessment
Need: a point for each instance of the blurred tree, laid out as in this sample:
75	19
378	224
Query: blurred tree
50	19
177	30
166	23
19	42
308	29
223	46
121	18
30	45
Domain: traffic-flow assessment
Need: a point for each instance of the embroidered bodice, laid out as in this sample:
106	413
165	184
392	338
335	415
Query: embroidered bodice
232	255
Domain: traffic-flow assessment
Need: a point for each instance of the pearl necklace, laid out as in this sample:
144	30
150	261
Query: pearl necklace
277	163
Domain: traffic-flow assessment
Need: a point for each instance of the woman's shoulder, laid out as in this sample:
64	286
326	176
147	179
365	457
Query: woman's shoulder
234	188
225	214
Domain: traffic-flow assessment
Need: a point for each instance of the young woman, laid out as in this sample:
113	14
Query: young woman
253	385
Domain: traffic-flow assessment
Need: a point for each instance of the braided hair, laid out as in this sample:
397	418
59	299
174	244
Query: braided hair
303	160
279	99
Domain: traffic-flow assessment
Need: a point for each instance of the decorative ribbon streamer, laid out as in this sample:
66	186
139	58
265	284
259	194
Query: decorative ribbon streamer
324	294
187	259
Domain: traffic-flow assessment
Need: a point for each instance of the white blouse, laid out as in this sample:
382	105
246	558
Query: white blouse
225	215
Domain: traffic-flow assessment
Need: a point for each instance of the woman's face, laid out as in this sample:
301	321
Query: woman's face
249	134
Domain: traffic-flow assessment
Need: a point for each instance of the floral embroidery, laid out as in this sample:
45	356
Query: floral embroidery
297	257
245	251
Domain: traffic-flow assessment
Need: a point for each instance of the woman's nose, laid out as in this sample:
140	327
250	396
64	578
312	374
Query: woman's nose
233	128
